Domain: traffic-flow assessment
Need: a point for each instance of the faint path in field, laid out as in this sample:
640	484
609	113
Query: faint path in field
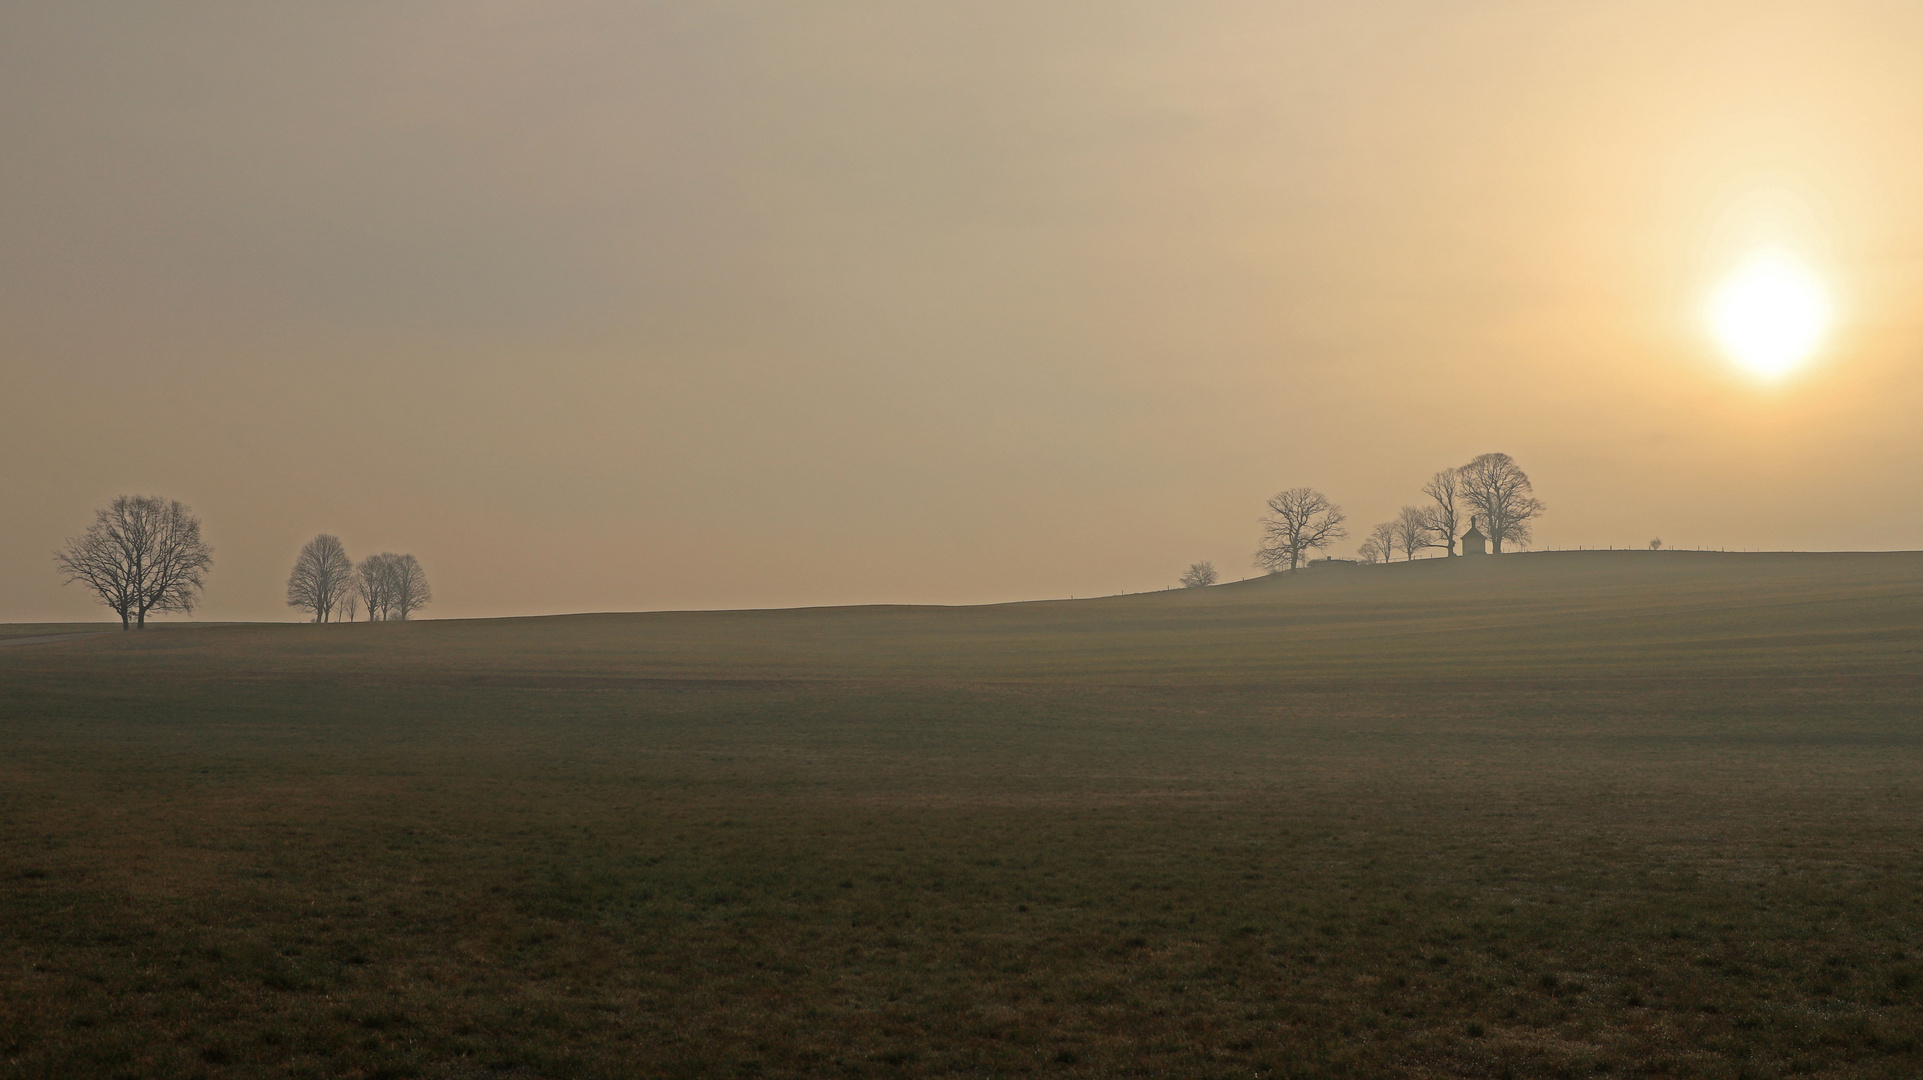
43	639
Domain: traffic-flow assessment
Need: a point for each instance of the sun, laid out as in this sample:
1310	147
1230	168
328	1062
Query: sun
1770	313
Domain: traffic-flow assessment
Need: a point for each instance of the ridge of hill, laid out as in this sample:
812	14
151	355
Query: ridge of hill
1539	613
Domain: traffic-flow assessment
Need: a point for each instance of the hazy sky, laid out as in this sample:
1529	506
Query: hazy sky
602	306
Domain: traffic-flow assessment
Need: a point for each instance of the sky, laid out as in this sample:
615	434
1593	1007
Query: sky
623	306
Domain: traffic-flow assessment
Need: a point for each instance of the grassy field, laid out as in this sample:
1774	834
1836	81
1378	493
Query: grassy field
18	631
1563	814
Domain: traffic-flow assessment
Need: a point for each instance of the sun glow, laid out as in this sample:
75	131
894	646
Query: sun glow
1770	314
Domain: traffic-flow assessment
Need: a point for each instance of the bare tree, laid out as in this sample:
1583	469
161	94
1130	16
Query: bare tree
349	605
323	577
1200	575
1415	529
1384	536
1370	551
1498	490
1443	517
142	554
1656	544
372	582
1300	520
409	587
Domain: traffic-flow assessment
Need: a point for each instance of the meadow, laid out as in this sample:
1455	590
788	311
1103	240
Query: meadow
1555	814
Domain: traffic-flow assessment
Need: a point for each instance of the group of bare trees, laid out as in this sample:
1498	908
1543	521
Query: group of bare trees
326	582
1492	489
1413	529
1419	528
144	555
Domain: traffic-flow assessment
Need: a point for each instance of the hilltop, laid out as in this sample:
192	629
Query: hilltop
1538	612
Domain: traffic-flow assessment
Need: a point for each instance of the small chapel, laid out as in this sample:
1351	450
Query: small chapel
1473	542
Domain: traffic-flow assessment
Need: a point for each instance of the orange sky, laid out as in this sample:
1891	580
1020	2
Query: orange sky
609	306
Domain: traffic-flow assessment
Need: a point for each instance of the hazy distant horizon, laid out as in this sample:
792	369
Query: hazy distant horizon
613	307
107	619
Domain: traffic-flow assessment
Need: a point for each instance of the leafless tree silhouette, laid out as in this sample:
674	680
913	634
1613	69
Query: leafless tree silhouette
371	583
1300	520
142	554
1384	536
1199	575
1443	517
409	592
1370	551
1499	491
323	578
1415	529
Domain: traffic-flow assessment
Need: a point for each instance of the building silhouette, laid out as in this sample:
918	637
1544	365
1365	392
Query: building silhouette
1473	542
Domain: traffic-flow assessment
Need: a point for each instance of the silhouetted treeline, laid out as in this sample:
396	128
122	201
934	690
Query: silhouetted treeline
1492	490
388	587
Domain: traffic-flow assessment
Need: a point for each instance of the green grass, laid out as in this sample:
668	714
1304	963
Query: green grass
1570	814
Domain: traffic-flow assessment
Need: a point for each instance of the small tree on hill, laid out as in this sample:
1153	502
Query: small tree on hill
1443	517
1415	529
1384	536
142	554
409	590
1200	575
371	585
1300	520
323	578
1499	491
